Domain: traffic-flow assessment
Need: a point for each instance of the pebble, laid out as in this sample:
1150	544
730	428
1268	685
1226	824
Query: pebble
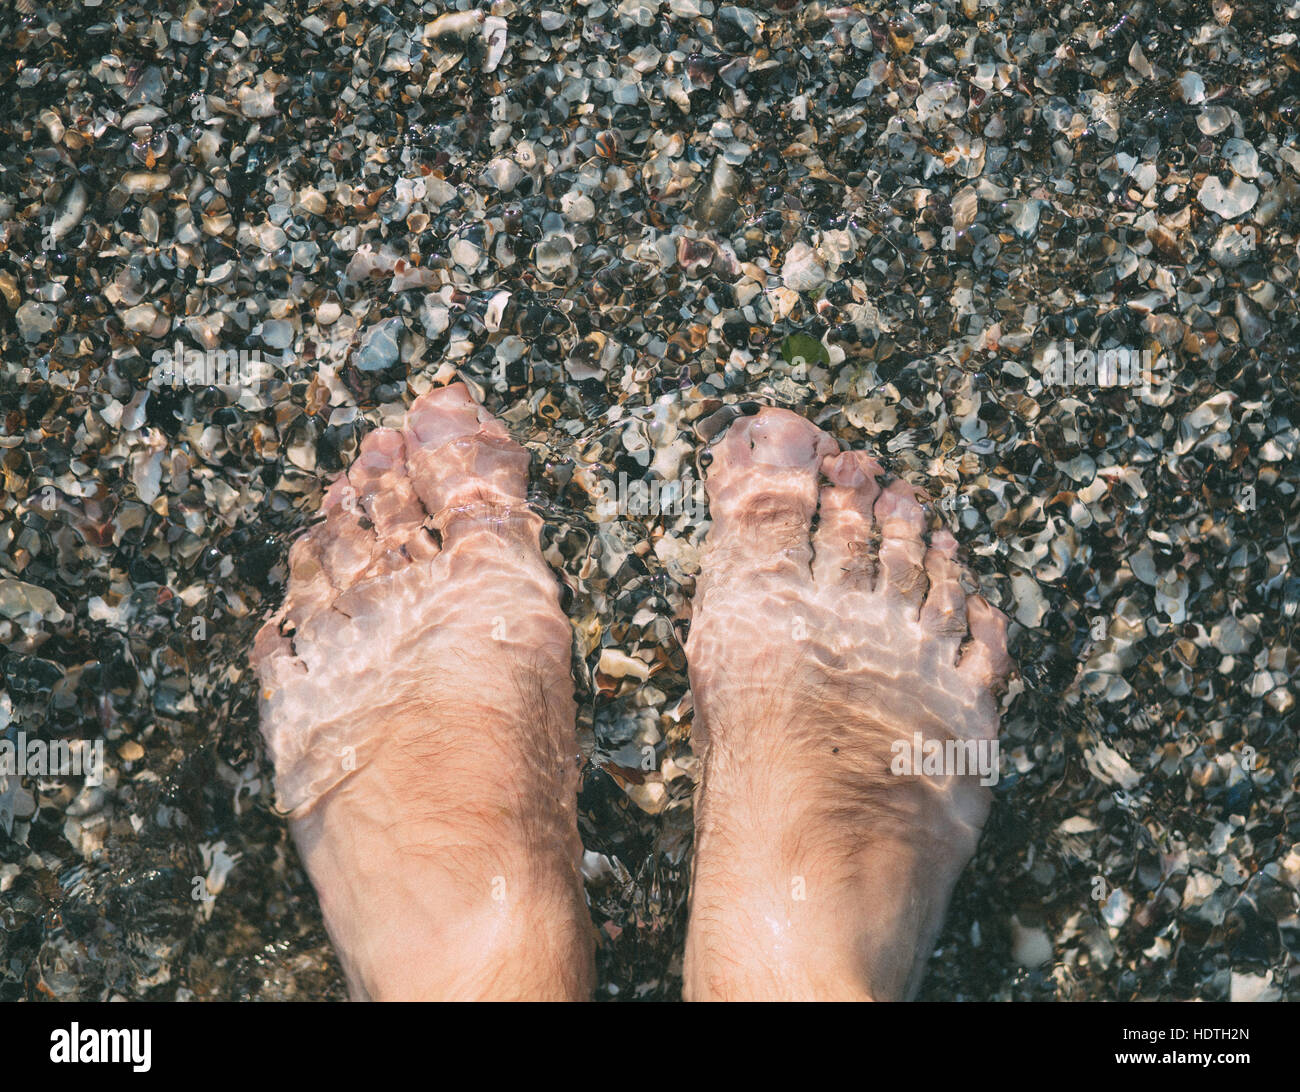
1235	199
379	346
801	271
35	320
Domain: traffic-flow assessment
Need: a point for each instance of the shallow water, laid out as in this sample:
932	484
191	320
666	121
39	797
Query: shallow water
1143	844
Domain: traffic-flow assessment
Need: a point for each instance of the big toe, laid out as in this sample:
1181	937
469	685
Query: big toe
382	490
762	487
470	474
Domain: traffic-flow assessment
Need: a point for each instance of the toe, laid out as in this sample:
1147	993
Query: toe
985	661
445	414
272	654
762	487
382	489
901	520
465	468
343	544
384	493
286	644
310	591
944	614
846	527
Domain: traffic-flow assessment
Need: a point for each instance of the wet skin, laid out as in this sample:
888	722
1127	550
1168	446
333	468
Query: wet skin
417	704
819	872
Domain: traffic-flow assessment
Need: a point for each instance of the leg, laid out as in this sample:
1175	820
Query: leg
417	703
819	871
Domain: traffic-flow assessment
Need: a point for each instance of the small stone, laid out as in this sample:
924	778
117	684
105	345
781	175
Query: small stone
379	346
137	182
1230	201
1214	118
277	334
553	254
256	102
18	598
618	665
466	254
1030	947
140	319
801	271
1191	88
1232	246
1242	158
312	200
35	320
1025	221
1245	987
439	191
504	173
577	206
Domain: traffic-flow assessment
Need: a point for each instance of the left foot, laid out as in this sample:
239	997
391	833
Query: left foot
820	872
418	705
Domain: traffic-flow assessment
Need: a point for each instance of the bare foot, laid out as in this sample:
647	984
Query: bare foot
418	705
820	872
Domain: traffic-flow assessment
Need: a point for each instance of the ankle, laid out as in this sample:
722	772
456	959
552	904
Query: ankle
537	947
785	915
766	945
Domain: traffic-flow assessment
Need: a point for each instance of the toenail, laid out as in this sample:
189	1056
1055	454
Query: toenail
776	453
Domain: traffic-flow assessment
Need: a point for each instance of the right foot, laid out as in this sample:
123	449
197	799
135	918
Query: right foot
418	706
818	872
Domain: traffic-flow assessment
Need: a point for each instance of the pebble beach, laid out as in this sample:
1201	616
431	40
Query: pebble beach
1043	262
